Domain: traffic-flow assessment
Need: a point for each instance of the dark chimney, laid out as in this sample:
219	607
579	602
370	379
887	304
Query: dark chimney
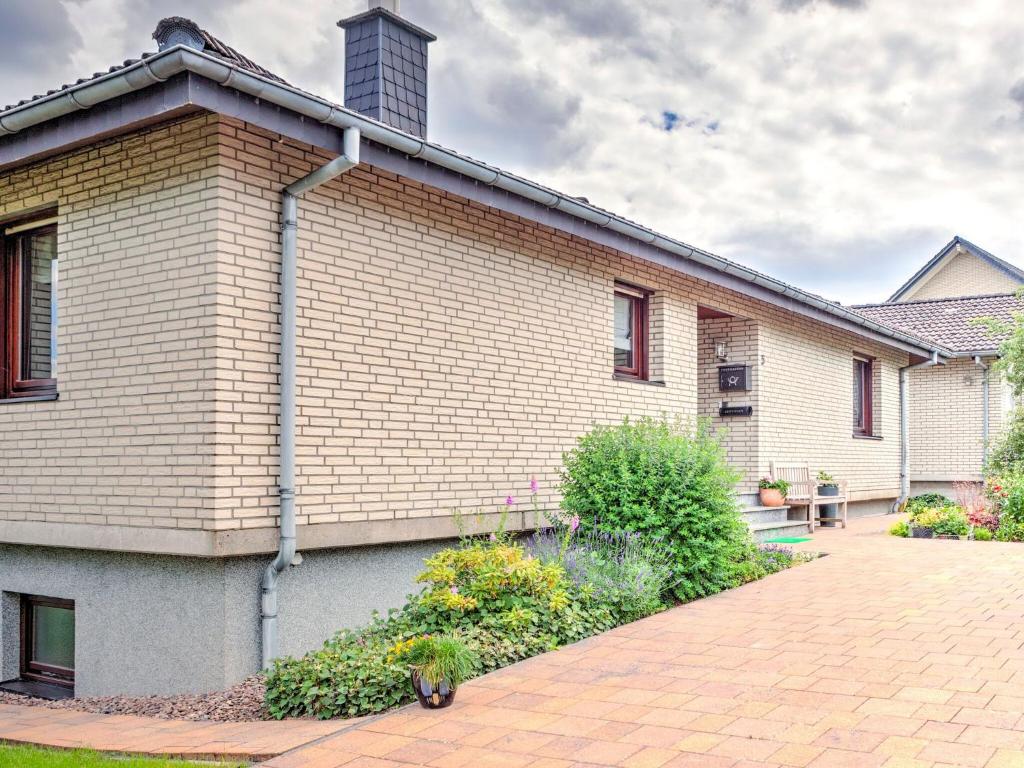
386	67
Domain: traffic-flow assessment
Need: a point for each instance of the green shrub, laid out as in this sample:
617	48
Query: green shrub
351	675
1010	530
952	521
1006	453
666	482
982	534
900	529
943	520
917	504
1006	492
503	605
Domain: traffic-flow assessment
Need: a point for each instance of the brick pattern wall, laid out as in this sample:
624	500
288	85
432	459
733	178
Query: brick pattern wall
963	275
447	352
807	406
946	420
130	441
740	432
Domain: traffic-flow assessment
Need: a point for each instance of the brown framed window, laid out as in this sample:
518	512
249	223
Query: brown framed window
630	350
48	639
28	309
863	376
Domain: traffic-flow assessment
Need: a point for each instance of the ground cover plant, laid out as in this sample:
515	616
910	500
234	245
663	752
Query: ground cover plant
649	518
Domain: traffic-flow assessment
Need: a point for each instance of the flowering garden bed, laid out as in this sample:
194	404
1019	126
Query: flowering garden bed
649	519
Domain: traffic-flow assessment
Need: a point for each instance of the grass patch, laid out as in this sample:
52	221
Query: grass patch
20	756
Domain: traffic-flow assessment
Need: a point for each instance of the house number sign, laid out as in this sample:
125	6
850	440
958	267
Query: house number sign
733	378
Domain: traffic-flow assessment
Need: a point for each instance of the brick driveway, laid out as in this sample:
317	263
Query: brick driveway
887	652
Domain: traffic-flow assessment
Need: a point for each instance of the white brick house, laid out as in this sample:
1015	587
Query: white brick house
957	409
456	328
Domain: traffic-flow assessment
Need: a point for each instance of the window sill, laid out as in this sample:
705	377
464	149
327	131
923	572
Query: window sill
867	437
30	399
635	380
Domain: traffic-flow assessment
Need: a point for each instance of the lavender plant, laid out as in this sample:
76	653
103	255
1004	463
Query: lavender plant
626	571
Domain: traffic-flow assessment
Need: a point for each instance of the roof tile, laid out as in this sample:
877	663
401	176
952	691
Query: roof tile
947	322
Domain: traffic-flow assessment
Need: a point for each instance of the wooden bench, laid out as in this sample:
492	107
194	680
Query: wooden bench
803	492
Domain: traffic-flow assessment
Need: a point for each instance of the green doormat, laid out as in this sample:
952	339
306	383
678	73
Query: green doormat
787	540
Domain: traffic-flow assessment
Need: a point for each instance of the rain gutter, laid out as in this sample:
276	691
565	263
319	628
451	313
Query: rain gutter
905	428
180	58
286	552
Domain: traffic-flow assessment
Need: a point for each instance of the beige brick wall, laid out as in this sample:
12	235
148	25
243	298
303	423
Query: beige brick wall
807	406
130	441
447	353
740	433
962	274
946	416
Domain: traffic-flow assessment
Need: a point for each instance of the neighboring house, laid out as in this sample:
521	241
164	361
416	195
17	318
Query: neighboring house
955	409
455	329
960	269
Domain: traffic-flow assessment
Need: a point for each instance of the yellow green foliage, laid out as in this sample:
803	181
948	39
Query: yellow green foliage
477	575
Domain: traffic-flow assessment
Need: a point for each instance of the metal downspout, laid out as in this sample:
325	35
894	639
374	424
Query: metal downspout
905	428
289	229
984	408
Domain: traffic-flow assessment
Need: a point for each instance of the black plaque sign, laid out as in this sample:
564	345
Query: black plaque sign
733	378
735	410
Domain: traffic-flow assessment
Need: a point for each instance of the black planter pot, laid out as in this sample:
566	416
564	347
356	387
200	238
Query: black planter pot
430	697
829	510
917	532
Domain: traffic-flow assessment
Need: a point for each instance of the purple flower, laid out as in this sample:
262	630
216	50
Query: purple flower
454	590
510	500
494	537
575	522
534	485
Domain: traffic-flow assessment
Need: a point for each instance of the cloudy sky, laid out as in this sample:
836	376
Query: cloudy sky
836	144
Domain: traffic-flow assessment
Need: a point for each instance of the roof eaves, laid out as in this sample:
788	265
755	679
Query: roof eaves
179	58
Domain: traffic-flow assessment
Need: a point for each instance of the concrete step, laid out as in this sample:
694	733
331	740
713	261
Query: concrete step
778	529
756	514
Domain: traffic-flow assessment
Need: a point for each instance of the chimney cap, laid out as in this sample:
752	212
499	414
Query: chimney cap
381	12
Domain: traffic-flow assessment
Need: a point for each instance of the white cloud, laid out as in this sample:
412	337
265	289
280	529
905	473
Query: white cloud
833	143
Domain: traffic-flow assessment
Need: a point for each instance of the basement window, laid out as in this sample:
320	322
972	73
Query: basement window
863	377
28	309
48	640
631	328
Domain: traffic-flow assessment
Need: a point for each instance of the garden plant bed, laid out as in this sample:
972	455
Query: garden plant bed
241	703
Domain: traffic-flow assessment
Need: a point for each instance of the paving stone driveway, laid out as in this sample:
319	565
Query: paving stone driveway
888	652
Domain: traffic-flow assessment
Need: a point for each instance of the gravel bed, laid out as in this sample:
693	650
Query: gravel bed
242	702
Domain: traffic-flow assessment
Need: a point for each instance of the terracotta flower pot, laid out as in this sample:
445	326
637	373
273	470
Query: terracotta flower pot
772	497
429	696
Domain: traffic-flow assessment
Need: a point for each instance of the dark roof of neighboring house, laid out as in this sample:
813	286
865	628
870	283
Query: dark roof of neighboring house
1004	266
947	321
212	45
431	152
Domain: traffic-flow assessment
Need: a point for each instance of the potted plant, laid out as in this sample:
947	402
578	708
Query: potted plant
827	486
923	522
951	524
438	664
773	492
